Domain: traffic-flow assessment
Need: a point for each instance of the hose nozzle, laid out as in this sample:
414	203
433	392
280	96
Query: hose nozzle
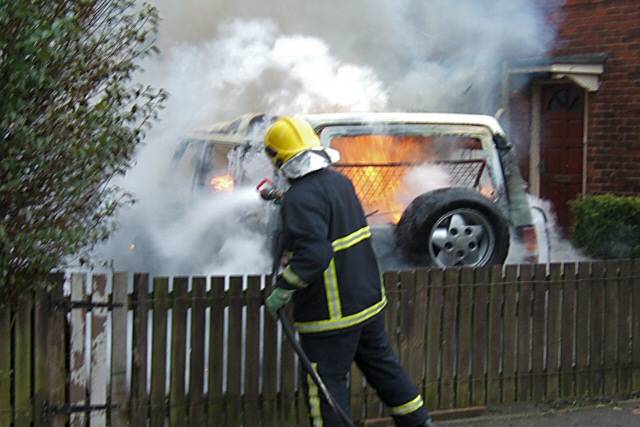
268	191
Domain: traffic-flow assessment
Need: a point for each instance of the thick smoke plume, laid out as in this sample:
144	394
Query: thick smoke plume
221	59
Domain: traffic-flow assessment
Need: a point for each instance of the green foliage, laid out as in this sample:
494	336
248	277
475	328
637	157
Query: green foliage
71	118
607	226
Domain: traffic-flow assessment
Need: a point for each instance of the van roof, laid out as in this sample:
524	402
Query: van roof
233	131
322	120
237	130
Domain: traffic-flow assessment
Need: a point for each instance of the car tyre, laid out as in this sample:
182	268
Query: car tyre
453	227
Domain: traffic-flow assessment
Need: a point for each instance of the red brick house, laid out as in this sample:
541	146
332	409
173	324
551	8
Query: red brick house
575	115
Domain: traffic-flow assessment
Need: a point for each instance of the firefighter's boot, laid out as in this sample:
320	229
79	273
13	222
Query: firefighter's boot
428	423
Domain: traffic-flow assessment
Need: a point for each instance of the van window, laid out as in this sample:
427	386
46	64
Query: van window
186	161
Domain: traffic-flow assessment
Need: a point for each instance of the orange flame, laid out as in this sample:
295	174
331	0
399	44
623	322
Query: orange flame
377	165
222	183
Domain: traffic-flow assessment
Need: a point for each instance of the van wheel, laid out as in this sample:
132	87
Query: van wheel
453	227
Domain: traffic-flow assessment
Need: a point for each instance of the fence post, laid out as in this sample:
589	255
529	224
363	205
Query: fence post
510	334
215	410
196	365
46	358
177	400
119	392
597	326
480	331
431	384
270	368
22	362
554	332
583	330
539	347
234	341
140	301
407	302
40	331
449	344
611	345
99	371
418	349
464	348
158	405
56	369
391	281
78	368
524	333
252	359
569	315
5	366
494	350
635	362
624	328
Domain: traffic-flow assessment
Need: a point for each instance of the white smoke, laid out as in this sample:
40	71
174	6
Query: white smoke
553	244
424	178
222	59
439	55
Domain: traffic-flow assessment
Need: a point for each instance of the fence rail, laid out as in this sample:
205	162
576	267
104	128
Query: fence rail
122	349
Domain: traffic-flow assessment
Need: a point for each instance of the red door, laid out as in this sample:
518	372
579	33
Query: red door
562	120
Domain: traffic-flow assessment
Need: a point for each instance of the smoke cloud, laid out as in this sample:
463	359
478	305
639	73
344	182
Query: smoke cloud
222	59
419	180
438	55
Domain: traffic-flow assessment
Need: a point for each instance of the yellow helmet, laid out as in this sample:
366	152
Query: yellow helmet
288	137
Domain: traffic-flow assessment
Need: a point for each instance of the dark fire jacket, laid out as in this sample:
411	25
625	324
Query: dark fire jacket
332	264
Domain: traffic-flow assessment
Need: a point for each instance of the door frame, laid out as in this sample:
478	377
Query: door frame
536	128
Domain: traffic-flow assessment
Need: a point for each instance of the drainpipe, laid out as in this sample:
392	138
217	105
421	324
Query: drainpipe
585	139
506	123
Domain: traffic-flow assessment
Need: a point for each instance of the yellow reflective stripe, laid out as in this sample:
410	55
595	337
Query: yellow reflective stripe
408	407
293	279
314	399
332	292
350	240
343	322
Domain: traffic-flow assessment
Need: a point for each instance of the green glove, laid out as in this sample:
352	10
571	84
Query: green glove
279	298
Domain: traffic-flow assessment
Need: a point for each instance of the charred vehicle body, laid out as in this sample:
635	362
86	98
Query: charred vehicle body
438	189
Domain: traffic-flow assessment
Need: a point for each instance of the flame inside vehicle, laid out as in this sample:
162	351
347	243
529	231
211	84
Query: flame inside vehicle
222	183
377	165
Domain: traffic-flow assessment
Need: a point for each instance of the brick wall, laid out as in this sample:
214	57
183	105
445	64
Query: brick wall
613	27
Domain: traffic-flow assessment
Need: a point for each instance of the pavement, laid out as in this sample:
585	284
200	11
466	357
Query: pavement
613	414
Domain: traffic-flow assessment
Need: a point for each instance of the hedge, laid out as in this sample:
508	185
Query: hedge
607	226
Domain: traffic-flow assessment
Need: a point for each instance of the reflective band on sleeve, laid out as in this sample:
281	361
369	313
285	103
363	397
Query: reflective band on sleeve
408	407
314	400
352	239
293	279
331	289
343	322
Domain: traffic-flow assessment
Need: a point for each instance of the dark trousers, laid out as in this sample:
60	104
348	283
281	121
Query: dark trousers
369	346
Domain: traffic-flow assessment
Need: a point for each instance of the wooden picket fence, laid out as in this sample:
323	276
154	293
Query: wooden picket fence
122	349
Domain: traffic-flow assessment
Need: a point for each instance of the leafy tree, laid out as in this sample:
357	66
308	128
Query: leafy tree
71	117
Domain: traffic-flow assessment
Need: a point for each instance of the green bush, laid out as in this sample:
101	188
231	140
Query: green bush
607	226
71	117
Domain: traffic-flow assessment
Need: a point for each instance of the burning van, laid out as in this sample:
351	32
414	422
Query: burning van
438	189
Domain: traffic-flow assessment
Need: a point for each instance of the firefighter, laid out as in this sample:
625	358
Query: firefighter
333	278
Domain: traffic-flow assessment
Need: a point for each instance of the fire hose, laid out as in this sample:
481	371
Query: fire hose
271	194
